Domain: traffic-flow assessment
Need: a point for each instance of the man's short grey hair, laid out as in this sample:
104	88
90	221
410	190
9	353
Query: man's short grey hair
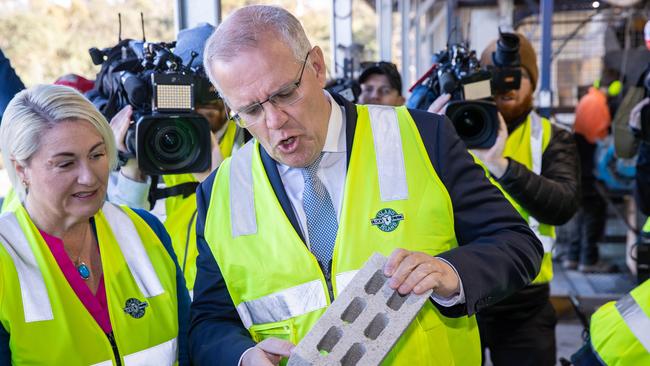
35	110
247	27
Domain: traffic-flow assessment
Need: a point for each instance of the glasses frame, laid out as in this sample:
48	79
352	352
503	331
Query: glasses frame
296	84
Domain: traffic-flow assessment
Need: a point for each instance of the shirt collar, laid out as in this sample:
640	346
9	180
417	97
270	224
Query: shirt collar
335	140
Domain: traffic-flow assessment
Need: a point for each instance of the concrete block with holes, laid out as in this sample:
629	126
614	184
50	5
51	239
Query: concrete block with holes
362	325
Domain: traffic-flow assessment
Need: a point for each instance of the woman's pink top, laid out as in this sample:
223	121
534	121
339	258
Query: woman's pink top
95	304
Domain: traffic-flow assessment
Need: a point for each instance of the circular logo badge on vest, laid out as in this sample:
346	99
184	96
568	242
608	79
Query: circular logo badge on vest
135	308
387	219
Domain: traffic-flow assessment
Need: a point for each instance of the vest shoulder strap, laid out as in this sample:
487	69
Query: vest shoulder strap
242	203
388	153
133	250
36	302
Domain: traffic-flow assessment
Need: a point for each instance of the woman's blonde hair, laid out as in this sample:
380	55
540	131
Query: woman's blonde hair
35	110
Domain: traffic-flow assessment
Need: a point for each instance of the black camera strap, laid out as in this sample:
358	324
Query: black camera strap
184	189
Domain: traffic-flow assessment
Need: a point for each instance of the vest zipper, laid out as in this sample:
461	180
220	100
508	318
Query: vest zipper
116	352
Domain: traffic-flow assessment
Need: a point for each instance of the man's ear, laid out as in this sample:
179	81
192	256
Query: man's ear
317	62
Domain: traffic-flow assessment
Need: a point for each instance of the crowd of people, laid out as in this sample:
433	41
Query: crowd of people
303	187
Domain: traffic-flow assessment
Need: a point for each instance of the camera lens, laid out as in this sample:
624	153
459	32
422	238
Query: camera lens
172	144
476	122
169	142
469	122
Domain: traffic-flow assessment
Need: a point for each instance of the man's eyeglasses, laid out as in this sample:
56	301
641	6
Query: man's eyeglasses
284	97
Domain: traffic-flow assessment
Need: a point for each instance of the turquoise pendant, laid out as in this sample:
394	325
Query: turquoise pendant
83	270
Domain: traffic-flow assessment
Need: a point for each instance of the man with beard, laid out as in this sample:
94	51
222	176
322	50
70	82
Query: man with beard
535	164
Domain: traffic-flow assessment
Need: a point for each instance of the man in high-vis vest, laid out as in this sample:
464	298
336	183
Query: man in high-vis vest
619	332
535	165
285	223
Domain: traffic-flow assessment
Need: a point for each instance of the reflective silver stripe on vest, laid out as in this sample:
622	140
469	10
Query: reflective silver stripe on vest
636	319
164	354
105	363
388	153
242	203
343	280
536	147
36	302
283	305
134	253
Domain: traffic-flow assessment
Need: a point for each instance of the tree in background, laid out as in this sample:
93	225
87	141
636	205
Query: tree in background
46	39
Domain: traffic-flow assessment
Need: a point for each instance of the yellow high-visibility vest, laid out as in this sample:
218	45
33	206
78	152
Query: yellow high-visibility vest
47	322
620	330
526	145
274	280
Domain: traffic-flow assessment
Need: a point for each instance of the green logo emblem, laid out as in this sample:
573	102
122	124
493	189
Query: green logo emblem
135	308
387	219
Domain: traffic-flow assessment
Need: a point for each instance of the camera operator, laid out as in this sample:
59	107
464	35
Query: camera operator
520	330
381	84
535	164
132	187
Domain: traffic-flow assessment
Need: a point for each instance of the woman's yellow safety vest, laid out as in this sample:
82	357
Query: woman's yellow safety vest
620	331
10	201
393	198
49	325
181	215
526	145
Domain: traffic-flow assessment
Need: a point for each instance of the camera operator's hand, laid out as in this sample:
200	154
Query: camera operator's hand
217	159
440	104
493	157
120	124
635	114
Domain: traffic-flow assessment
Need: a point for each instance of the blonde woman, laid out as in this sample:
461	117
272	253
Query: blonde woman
82	281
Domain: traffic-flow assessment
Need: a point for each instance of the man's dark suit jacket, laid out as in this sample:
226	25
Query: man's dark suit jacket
497	254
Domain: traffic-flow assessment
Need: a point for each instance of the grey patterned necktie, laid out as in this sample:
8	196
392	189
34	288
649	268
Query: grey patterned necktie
321	217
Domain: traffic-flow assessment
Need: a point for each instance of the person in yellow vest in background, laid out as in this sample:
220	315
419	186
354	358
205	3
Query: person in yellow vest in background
131	187
619	332
535	165
82	281
286	222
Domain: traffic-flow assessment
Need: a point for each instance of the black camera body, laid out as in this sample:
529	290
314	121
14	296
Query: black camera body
457	72
169	137
506	68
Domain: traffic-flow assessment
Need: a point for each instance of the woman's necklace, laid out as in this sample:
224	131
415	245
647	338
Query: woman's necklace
81	266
